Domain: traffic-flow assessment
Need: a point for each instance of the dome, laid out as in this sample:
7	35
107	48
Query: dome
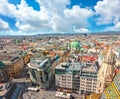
75	44
2	65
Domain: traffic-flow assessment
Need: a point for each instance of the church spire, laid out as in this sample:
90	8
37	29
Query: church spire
109	59
106	71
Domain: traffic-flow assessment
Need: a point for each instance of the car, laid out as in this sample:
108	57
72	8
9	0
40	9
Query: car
33	89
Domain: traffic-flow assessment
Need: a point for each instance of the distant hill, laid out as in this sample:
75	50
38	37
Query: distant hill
66	34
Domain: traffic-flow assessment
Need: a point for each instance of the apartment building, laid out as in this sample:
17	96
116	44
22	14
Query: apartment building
63	79
88	78
85	76
15	62
76	78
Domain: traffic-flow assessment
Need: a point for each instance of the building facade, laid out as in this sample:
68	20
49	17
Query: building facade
88	78
76	77
16	65
4	76
66	77
41	71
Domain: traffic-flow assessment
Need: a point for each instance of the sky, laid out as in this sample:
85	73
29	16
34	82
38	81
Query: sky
29	17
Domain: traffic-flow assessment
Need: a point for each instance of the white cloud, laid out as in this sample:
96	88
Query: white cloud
81	30
29	19
7	9
116	27
53	16
3	25
78	16
55	7
108	11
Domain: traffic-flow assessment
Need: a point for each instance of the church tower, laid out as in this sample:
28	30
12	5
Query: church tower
106	72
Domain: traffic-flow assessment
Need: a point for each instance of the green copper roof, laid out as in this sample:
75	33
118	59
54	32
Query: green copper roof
75	44
82	49
2	65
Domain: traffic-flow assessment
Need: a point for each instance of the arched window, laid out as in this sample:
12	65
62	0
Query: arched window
100	84
99	90
1	87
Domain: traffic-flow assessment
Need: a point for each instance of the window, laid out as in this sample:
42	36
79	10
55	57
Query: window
82	81
89	82
99	90
69	76
1	87
94	89
94	86
88	86
83	78
82	85
89	79
41	78
94	83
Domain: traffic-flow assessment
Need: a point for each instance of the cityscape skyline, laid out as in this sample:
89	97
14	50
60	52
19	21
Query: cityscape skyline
60	66
31	17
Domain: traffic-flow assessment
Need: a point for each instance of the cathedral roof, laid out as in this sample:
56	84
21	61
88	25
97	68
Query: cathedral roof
113	90
110	56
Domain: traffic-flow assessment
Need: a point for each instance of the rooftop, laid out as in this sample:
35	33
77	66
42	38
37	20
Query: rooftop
40	62
67	67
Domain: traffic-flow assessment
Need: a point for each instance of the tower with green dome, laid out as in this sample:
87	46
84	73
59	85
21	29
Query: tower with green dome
2	65
75	46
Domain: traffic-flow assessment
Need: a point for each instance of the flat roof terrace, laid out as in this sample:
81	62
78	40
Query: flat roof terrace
39	63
